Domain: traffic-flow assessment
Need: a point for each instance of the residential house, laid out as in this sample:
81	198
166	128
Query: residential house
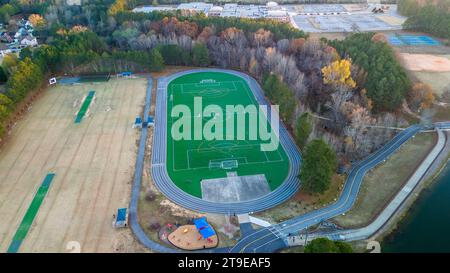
29	40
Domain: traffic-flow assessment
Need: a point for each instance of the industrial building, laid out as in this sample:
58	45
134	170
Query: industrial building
270	11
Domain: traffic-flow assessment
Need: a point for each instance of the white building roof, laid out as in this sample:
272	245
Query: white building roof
197	6
272	4
151	8
216	9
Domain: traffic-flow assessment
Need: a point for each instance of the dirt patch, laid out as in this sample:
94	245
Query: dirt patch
382	184
426	62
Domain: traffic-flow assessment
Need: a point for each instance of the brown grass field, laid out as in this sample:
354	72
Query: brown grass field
93	162
381	184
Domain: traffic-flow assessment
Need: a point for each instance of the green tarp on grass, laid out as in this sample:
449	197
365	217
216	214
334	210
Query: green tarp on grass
31	213
85	106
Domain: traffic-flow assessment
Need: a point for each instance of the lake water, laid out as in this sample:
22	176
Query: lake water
427	227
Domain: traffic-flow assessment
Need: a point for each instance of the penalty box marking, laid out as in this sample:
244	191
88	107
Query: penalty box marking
253	100
280	159
184	86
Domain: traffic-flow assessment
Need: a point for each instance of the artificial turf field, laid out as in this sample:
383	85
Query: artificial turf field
190	161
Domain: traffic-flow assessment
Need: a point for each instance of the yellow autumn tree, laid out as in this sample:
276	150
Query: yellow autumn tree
118	6
9	62
338	73
36	20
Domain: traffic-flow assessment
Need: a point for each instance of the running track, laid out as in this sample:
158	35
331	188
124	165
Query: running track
263	240
178	196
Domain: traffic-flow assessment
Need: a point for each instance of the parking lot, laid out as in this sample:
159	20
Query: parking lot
339	18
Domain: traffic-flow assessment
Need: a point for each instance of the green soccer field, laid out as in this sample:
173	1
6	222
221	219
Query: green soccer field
190	161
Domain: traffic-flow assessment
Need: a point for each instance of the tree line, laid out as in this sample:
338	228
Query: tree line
9	8
134	3
428	16
386	81
306	77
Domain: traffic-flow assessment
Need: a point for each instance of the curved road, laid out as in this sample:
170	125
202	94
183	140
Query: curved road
274	237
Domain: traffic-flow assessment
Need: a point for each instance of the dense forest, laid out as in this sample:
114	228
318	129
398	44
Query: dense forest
330	90
386	81
428	16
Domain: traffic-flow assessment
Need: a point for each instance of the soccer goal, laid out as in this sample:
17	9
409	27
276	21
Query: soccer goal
229	164
226	164
208	81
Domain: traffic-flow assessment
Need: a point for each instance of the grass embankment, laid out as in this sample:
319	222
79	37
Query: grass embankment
441	113
382	184
303	203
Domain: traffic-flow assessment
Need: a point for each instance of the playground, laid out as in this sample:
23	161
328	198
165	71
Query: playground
61	181
200	235
189	162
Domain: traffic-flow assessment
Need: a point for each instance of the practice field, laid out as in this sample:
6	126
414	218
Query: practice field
191	161
92	162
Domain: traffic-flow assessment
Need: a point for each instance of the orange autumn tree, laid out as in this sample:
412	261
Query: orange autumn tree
36	20
78	29
421	97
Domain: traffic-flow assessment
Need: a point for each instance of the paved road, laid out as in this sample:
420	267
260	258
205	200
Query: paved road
136	188
393	206
274	237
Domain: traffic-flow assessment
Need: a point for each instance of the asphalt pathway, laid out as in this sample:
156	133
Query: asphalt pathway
268	239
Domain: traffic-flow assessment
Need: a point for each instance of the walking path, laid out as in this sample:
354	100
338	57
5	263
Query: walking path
278	236
395	204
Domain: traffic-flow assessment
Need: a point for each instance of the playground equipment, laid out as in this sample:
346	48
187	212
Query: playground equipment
204	228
